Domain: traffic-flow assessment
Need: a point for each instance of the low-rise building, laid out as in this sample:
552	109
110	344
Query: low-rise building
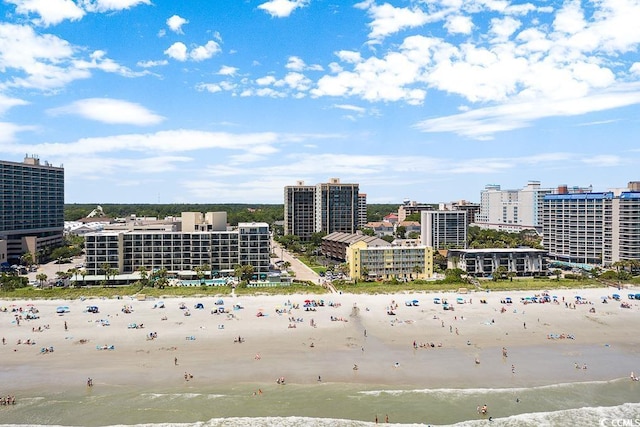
335	244
484	262
389	262
380	228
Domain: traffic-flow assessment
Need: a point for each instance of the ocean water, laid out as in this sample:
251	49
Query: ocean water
595	403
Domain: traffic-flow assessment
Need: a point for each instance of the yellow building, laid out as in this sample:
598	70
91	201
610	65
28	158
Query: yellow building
389	262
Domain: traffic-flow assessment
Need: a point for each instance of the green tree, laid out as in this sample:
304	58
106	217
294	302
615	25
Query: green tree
244	273
41	277
401	230
368	231
27	259
144	275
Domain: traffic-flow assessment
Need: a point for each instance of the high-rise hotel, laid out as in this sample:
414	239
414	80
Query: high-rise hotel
593	228
31	207
325	207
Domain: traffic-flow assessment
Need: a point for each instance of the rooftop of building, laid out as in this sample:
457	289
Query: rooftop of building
499	250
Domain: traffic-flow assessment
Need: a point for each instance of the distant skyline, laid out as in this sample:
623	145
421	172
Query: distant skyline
230	101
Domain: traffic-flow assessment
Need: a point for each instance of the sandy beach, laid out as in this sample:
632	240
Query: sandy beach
543	342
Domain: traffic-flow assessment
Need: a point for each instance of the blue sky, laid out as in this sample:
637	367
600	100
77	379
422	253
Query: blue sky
227	101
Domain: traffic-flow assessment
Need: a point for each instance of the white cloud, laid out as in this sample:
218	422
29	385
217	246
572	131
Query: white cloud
570	18
459	24
266	81
606	160
504	28
46	62
51	12
7	103
175	23
388	19
177	51
111	5
151	64
111	111
209	87
40	61
348	107
226	70
282	8
482	123
295	64
201	53
99	61
8	133
165	142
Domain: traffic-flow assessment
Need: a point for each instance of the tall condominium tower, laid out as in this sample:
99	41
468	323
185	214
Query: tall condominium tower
336	207
31	206
326	207
300	210
593	228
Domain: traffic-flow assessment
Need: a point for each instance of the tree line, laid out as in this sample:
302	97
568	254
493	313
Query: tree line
236	212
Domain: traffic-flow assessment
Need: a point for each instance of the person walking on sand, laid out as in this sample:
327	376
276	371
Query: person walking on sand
65	325
175	361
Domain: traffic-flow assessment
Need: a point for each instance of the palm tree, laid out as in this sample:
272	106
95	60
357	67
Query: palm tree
105	266
41	277
83	273
417	269
74	272
144	275
27	259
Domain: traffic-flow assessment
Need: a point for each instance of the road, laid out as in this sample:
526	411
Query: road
301	270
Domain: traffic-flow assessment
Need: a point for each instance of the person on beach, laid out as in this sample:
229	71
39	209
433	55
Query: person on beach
175	361
89	382
65	325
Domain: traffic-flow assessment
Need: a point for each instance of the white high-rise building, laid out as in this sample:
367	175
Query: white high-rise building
516	210
443	229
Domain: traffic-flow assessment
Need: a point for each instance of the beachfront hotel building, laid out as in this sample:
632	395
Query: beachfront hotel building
300	210
443	229
322	208
31	207
484	262
593	228
516	210
180	252
402	263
